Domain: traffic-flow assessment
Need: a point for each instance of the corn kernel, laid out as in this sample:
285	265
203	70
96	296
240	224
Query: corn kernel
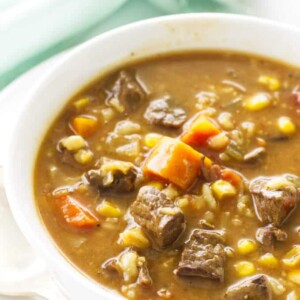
268	260
257	102
223	190
286	126
151	139
244	268
156	184
134	237
270	82
109	210
84	156
294	276
292	258
182	202
81	103
246	246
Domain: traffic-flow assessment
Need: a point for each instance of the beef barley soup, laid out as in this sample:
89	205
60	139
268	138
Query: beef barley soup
176	177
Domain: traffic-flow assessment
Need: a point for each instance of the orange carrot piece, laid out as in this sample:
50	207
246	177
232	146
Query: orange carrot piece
74	213
174	161
231	176
199	131
84	125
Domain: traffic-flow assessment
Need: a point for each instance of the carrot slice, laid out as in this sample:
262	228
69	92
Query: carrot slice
231	176
173	161
199	131
84	125
74	213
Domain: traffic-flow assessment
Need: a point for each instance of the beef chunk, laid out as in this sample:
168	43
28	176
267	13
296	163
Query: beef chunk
203	255
160	113
113	176
128	90
268	235
158	215
144	277
275	198
254	288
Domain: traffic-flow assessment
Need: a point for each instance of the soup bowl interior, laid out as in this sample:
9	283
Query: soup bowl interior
148	38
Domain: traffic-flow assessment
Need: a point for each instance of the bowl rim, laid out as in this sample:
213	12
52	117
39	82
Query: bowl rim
48	252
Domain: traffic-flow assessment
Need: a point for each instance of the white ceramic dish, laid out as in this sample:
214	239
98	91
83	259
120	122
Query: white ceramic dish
155	36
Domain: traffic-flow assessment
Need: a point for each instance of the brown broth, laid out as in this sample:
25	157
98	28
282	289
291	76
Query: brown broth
182	76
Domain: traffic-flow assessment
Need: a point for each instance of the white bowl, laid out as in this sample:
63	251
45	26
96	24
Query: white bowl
83	64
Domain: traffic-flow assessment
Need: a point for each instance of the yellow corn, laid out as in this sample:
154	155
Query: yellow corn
158	185
292	258
84	156
182	202
286	126
223	190
134	237
246	246
270	82
109	210
81	103
244	268
257	102
151	139
268	260
294	276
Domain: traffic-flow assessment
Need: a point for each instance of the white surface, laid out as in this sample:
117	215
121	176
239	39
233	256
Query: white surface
173	33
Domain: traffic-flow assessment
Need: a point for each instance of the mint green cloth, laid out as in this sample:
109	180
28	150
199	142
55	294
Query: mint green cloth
34	30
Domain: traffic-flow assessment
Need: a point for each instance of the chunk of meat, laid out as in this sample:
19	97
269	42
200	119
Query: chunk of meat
113	176
275	198
128	90
159	112
268	235
158	215
203	255
254	288
144	277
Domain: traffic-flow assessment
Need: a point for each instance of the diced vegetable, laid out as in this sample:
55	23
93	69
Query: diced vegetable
109	210
225	121
233	177
246	246
223	190
174	161
268	260
244	268
108	114
257	102
134	237
286	126
171	191
74	213
127	127
128	263
83	156
294	276
158	185
81	103
84	126
208	196
270	82
292	258
219	141
199	131
152	139
73	143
